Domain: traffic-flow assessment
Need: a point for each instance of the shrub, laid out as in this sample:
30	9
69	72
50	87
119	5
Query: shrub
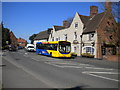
87	55
118	54
73	54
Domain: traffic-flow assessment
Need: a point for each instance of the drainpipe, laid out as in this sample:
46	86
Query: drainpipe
81	45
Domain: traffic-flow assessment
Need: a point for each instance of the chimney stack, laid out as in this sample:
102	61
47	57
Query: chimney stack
65	24
93	10
108	6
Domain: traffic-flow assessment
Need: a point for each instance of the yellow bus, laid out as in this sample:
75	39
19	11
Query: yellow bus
54	48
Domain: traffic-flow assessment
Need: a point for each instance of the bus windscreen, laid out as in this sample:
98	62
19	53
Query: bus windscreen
64	47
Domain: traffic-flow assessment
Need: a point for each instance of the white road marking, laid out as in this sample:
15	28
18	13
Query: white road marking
62	66
20	53
35	59
68	63
91	73
53	64
104	77
99	68
100	72
87	66
51	60
71	67
25	55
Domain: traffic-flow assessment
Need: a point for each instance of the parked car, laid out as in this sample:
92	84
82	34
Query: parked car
19	47
30	47
12	48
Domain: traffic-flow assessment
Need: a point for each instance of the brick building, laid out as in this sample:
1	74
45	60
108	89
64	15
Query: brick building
22	42
100	35
13	39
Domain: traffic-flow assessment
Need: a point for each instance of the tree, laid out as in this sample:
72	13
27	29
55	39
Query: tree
31	38
5	37
70	19
115	9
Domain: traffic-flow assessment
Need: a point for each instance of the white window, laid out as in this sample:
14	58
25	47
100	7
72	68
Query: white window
91	36
53	39
65	36
51	35
59	38
75	49
76	25
75	35
89	50
56	39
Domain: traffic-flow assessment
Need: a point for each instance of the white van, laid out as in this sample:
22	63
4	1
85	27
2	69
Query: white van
30	47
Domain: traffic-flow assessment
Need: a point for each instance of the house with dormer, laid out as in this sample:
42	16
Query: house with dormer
70	32
95	35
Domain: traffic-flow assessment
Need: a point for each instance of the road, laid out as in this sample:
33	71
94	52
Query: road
28	70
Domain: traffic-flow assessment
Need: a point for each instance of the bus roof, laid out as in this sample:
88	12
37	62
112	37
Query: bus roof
49	42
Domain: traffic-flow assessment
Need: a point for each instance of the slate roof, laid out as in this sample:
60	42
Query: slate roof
42	35
58	27
89	23
84	19
93	23
21	40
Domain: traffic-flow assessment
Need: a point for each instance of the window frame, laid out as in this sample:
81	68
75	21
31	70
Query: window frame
76	24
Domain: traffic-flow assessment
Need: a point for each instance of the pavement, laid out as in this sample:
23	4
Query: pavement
98	62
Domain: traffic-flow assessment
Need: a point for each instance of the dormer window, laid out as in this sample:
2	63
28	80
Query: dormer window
76	25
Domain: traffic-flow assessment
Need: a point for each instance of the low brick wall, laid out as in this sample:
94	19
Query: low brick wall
113	58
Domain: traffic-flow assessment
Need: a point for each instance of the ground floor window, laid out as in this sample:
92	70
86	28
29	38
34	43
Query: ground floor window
103	50
75	49
90	50
108	50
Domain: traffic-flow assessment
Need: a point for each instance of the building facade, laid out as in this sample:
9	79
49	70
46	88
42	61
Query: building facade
22	42
13	39
71	32
42	37
100	35
95	34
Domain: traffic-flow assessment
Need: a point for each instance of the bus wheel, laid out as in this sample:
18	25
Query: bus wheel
51	54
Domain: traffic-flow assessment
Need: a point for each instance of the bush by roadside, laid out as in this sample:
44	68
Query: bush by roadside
87	55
